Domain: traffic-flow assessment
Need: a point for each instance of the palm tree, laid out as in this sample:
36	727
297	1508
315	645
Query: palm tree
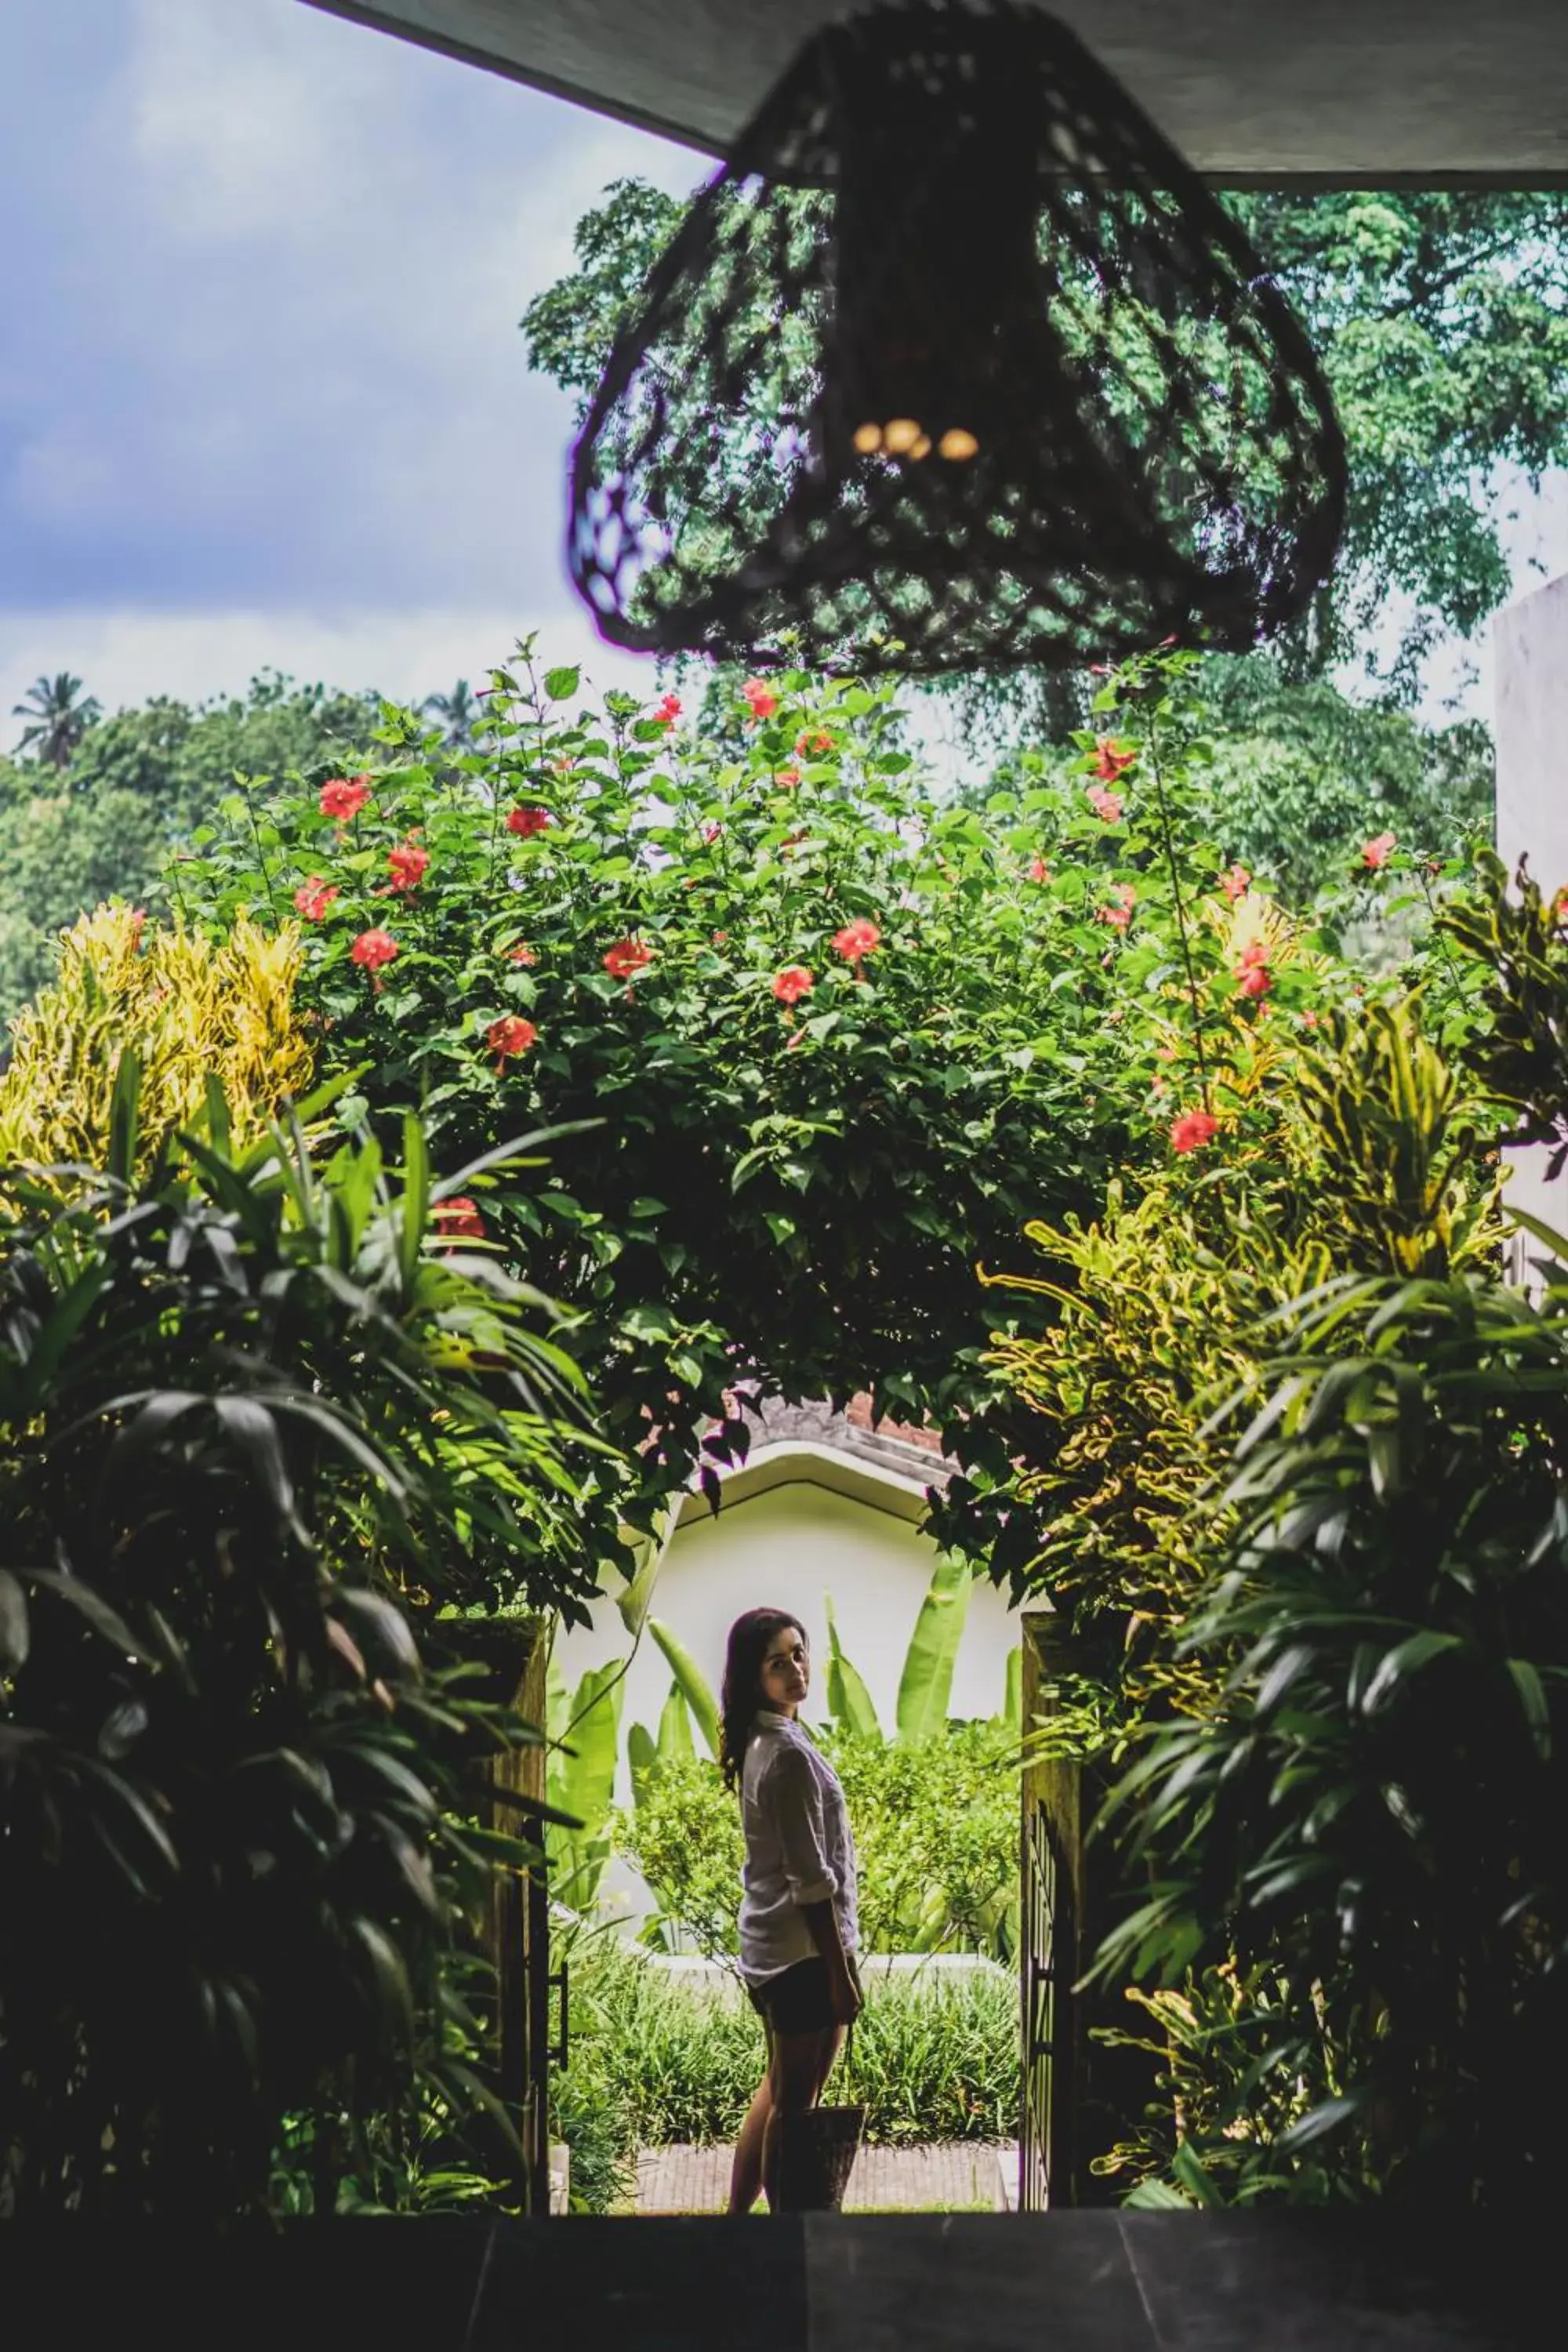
459	712
58	715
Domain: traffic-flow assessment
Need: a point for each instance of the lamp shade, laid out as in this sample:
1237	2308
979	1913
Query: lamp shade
954	365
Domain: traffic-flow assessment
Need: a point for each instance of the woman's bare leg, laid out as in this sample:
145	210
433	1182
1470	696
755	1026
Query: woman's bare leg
746	2175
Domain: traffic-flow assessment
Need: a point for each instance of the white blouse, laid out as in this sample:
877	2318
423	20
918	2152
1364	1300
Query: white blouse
798	1848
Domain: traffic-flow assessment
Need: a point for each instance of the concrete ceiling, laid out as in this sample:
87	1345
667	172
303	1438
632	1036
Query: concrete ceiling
1336	92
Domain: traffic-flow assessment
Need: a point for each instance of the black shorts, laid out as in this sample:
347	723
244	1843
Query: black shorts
797	2000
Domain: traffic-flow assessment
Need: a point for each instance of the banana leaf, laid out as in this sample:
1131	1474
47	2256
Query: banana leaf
583	1778
848	1700
926	1683
690	1683
675	1743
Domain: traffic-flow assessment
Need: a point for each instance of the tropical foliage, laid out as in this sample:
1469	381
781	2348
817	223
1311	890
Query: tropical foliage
815	1045
1372	1809
259	1422
1298	1506
1354	1155
189	1009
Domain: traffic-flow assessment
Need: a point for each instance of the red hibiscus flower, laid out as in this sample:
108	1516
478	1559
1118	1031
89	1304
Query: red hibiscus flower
788	778
458	1217
1236	884
1038	870
1110	764
812	739
509	1036
520	952
407	862
856	940
344	796
792	984
1106	805
527	821
626	956
1375	853
1193	1128
764	701
710	832
669	711
314	897
372	949
1119	914
1253	977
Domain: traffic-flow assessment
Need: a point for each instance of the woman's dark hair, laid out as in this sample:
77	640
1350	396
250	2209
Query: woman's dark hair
743	1690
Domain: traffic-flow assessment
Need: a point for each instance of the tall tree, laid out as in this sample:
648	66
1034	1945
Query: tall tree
58	715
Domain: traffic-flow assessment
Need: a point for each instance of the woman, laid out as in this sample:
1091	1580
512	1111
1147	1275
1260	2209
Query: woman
798	1906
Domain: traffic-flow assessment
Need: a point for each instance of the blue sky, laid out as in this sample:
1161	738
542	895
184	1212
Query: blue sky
264	399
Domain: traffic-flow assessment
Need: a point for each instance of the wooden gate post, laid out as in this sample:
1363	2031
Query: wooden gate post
517	1925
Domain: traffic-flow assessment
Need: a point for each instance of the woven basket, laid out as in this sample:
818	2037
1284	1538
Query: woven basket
815	2158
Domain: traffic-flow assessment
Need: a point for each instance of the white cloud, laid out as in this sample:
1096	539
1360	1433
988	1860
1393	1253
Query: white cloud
126	655
274	396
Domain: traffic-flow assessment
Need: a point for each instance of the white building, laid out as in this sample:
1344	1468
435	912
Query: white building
825	1508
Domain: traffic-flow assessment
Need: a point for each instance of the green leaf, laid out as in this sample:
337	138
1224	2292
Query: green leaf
848	1700
582	1780
415	1199
90	1605
926	1684
641	1757
561	685
1406	1658
675	1742
1013	1704
633	1601
1532	1699
123	1106
14	1630
692	1684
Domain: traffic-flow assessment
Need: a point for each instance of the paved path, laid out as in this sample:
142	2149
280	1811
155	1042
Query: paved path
957	2177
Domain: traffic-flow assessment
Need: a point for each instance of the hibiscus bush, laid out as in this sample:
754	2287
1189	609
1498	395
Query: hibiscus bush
811	1044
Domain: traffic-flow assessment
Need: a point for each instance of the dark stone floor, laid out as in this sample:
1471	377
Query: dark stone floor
1061	2283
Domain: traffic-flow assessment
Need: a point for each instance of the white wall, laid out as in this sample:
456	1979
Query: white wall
789	1545
1530	651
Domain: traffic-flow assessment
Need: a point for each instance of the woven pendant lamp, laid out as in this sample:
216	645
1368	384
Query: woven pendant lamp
954	365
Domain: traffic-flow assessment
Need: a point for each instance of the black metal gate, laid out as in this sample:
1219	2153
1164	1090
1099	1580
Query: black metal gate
1048	1946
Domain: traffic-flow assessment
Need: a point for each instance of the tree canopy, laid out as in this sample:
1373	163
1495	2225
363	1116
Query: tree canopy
813	1045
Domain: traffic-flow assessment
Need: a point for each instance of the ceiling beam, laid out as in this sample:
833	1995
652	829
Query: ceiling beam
1282	93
